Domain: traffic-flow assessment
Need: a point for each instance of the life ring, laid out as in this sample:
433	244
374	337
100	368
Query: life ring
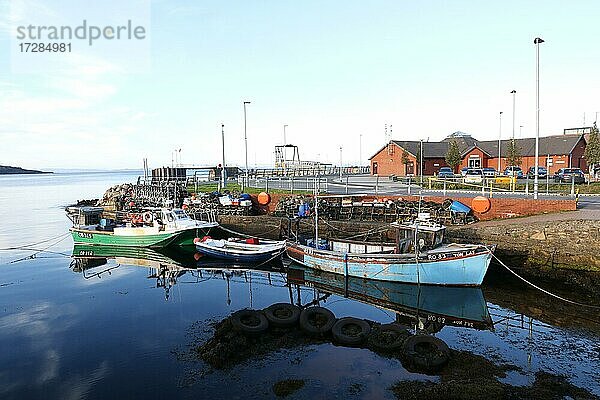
424	353
316	320
250	322
350	331
148	218
388	337
282	315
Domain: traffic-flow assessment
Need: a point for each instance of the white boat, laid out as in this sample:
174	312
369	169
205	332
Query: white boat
241	250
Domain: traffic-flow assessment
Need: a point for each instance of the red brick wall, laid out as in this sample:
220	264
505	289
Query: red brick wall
389	161
482	156
578	156
429	167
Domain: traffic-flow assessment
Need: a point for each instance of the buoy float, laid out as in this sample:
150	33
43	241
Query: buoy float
481	204
264	198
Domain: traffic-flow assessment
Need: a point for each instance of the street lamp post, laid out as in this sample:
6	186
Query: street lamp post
223	171
514	93
360	150
340	163
537	41
421	160
245	141
500	145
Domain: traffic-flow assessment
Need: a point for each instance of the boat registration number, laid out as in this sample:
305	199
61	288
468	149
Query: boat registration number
85	235
441	256
86	253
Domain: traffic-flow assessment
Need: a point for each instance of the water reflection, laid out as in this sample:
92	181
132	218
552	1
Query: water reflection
428	308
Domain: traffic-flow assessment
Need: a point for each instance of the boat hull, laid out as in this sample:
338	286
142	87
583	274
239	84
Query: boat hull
229	255
454	268
92	237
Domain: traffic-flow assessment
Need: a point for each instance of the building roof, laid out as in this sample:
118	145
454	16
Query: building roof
553	145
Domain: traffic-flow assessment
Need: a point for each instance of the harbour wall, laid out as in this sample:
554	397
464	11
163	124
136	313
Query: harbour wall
499	207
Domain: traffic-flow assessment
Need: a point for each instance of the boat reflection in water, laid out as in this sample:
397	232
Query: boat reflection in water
426	307
166	265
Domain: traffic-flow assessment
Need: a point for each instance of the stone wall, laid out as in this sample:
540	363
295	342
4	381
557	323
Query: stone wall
555	245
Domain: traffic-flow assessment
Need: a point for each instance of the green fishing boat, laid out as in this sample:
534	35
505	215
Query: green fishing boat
154	227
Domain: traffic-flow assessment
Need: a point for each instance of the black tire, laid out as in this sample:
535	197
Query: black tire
350	331
388	337
282	315
426	353
316	320
250	322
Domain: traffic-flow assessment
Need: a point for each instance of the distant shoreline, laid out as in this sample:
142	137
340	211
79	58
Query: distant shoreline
7	170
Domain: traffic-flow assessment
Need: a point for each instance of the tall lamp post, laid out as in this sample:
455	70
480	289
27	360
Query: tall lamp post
514	93
223	171
245	141
500	145
360	150
421	160
340	163
537	41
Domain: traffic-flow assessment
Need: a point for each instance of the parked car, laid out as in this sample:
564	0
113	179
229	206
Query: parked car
463	171
542	172
474	175
569	175
445	172
489	172
514	170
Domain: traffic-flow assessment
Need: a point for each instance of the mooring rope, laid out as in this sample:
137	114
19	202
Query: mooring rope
249	236
539	288
27	246
38	251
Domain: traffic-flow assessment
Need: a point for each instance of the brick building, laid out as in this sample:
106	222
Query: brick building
401	157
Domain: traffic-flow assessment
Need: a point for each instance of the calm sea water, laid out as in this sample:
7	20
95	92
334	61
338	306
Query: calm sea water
118	331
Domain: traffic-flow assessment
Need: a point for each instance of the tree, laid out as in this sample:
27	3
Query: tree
514	153
592	150
453	157
405	160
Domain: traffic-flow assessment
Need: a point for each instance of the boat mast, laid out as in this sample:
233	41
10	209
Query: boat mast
317	184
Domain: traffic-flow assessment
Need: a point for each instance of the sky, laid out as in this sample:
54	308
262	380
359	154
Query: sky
335	72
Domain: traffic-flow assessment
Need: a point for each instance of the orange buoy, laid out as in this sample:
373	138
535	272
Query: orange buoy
481	204
264	198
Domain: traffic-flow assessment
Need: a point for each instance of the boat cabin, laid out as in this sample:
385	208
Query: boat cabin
95	218
429	235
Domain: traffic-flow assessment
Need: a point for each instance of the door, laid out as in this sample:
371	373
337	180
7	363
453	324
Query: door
474	162
410	168
374	168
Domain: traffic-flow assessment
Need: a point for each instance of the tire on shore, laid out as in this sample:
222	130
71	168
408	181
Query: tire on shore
350	331
316	321
388	337
424	353
249	322
282	315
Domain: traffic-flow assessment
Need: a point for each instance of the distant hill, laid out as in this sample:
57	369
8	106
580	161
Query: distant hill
5	170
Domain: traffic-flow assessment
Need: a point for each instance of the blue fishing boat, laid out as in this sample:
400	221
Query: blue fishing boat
240	250
419	256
